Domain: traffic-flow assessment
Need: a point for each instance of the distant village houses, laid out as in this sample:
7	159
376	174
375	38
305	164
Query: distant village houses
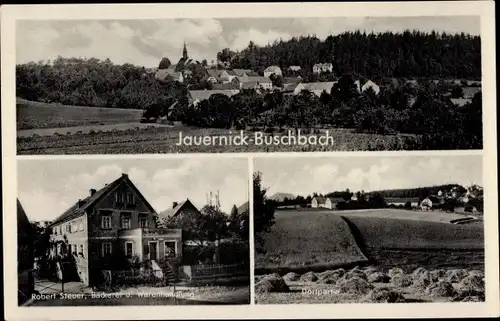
272	70
325	202
322	67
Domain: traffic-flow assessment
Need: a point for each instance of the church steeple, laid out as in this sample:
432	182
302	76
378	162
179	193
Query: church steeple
184	51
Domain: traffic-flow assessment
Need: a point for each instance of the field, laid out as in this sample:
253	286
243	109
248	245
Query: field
32	115
299	241
383	239
164	139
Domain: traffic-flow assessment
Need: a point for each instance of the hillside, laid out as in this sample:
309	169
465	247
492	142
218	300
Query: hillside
420	191
280	197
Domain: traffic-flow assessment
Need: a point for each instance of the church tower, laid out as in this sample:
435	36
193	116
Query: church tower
184	52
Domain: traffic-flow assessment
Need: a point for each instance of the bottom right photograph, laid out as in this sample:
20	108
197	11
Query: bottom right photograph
372	229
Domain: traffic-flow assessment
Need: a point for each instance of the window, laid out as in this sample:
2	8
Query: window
54	230
170	248
68	228
143	221
60	229
119	197
81	249
106	249
130	199
129	249
126	221
106	222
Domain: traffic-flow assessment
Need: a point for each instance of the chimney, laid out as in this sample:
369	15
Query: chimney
124	175
79	203
174	204
92	191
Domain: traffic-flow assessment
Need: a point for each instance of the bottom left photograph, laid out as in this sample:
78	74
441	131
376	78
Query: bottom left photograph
160	231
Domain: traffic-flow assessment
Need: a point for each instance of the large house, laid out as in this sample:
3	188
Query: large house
256	82
325	202
316	88
163	74
322	67
272	70
116	220
367	85
197	96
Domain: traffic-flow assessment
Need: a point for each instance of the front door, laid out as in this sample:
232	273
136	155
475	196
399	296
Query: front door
153	251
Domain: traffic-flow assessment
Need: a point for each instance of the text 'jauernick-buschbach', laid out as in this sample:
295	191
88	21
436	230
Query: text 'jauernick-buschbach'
258	139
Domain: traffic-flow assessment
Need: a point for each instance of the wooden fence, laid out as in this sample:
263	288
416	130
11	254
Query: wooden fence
213	272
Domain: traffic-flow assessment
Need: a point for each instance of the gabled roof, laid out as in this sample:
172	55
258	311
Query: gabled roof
230	72
244	208
319	86
258	79
214	73
22	219
80	209
161	74
272	69
241	72
228	86
289	87
174	211
205	94
320	199
460	101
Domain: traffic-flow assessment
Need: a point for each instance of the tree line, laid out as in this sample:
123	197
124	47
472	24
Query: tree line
388	54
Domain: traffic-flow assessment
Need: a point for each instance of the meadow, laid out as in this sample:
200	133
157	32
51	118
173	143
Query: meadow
148	138
32	115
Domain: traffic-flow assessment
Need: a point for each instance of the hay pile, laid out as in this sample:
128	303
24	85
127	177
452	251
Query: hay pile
356	272
456	275
370	269
271	283
292	276
477	272
353	285
330	277
472	284
401	280
441	288
395	271
418	273
437	274
420	285
309	277
379	277
385	295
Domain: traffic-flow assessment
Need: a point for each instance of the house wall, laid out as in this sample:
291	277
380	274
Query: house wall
314	203
328	204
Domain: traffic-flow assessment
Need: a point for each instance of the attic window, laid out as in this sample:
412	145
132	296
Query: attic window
130	199
119	197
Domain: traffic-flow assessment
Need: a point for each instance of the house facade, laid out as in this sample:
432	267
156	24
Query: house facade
397	201
322	67
324	202
256	82
115	221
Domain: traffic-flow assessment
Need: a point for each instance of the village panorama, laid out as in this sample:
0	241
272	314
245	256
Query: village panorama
370	230
100	240
404	88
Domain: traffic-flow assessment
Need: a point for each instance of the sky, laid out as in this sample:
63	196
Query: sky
145	42
46	188
306	175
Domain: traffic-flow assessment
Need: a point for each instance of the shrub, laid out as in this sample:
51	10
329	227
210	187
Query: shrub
456	275
436	274
309	277
378	277
401	280
292	276
395	271
355	274
330	277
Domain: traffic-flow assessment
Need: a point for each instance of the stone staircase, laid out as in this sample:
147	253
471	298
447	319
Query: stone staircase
164	271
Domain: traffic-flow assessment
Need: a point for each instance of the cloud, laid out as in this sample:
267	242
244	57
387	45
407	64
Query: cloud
241	38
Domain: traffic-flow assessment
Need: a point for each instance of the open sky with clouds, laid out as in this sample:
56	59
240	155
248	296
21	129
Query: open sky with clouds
145	42
46	188
306	175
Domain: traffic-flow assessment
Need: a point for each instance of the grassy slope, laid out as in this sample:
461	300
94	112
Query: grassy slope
299	240
40	115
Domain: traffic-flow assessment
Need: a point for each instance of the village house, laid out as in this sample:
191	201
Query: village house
197	96
325	202
243	72
272	70
368	84
227	76
114	220
470	92
256	82
294	68
316	88
162	75
460	102
401	201
322	67
426	204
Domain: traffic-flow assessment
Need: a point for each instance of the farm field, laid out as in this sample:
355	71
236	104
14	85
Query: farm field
372	236
33	115
303	242
163	139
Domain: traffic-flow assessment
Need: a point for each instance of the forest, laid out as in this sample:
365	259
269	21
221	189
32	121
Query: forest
408	54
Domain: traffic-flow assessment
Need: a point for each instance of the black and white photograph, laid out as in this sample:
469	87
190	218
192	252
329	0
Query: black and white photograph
133	232
369	229
248	85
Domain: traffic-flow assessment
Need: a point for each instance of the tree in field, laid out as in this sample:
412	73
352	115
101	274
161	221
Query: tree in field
263	211
164	63
234	213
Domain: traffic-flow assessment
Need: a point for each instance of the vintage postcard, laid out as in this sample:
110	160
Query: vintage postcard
302	160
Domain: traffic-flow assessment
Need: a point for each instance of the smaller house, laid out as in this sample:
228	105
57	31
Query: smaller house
325	202
162	75
316	88
470	92
243	72
401	201
294	68
213	76
426	204
272	70
460	102
250	82
322	67
227	76
180	209
372	85
235	85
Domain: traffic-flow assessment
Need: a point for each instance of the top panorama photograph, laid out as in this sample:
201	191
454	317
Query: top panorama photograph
248	85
